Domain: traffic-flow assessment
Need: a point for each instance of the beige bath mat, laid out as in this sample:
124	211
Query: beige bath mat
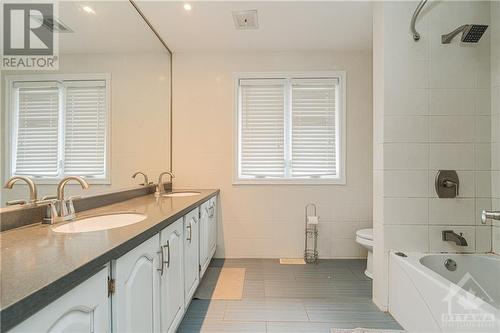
221	283
292	261
364	330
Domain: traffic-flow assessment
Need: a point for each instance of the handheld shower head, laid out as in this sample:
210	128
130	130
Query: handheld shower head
471	33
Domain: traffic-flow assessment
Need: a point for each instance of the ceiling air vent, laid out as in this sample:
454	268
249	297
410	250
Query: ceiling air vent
246	19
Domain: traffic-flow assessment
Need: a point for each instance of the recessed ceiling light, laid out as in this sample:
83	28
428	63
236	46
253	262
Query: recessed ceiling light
88	10
187	6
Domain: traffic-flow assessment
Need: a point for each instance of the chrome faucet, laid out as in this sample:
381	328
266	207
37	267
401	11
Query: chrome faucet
146	180
66	209
451	236
160	188
31	184
494	215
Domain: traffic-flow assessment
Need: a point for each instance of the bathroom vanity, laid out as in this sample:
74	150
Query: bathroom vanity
136	278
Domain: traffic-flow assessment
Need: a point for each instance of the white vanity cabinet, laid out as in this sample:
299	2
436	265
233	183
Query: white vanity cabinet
212	226
151	285
137	285
204	237
84	309
172	276
191	253
208	233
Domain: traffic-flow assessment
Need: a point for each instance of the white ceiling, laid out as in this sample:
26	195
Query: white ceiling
283	25
115	27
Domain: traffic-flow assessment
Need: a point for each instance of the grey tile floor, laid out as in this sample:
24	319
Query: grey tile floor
291	298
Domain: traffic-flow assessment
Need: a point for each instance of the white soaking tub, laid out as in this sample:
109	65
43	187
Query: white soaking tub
445	292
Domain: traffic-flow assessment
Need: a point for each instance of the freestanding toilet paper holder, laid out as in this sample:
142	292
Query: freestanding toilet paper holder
311	234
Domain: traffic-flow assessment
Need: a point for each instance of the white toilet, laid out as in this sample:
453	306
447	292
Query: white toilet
365	238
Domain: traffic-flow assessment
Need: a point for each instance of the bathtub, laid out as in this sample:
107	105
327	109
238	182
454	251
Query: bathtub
425	295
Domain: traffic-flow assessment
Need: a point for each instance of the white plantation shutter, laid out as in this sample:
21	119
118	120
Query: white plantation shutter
85	129
262	128
291	128
37	131
60	128
314	133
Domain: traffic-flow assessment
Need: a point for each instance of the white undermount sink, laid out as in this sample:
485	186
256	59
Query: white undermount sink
100	222
181	194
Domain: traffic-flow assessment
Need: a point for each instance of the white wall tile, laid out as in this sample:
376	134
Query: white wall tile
453	102
483	129
483	184
445	74
495	156
452	211
406	102
406	129
345	248
406	238
483	157
496	239
406	183
483	102
452	157
406	156
406	211
483	239
452	129
407	73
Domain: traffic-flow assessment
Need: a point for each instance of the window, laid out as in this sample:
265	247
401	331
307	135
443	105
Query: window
290	128
59	126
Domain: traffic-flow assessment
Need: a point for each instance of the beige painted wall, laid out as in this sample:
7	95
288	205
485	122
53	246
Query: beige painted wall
267	221
140	108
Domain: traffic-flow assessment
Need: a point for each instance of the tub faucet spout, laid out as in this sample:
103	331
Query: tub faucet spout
451	236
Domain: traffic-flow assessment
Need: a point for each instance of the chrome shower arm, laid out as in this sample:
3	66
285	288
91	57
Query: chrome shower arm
446	39
414	32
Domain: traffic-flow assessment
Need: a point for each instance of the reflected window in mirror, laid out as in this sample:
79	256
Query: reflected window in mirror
59	126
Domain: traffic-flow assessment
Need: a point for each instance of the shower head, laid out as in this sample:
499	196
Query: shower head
471	33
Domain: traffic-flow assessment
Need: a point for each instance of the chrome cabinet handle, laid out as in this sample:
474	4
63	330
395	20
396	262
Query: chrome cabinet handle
168	254
161	261
190	231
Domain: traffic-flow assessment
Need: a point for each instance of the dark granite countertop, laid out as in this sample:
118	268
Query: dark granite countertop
39	265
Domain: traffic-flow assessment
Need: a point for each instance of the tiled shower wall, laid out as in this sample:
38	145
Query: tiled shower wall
495	114
432	112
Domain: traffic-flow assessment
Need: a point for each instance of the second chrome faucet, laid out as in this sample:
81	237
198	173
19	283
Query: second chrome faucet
160	187
59	208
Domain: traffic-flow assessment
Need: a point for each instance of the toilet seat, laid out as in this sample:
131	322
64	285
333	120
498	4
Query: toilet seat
365	234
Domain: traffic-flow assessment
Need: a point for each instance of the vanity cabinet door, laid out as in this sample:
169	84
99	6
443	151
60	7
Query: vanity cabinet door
204	238
137	278
172	277
191	253
212	227
84	309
